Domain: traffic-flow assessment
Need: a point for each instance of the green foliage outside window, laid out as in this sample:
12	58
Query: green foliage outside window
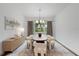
40	26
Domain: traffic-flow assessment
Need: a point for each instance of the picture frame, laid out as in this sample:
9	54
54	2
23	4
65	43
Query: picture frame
10	23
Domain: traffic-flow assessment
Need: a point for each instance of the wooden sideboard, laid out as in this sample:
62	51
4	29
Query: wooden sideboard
12	43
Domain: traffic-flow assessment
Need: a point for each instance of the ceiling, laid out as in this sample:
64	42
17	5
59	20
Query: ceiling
31	9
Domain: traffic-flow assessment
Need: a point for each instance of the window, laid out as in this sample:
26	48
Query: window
40	26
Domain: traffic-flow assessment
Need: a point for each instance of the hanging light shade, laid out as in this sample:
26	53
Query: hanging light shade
37	21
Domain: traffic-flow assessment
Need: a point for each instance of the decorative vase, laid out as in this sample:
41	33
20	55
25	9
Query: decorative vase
39	34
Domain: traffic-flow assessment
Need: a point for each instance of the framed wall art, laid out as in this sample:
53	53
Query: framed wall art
10	23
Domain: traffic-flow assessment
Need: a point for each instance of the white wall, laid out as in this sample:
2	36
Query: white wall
67	27
4	34
9	12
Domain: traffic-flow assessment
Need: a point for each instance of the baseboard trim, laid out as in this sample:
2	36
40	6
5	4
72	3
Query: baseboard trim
67	48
